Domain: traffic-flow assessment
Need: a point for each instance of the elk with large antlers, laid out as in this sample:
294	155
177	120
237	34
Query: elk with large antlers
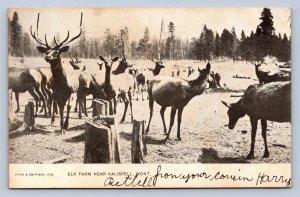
63	83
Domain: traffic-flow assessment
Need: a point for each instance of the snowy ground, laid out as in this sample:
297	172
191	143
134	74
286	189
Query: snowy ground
205	138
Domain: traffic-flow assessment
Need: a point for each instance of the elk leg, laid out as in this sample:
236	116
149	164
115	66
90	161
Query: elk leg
130	103
61	114
115	105
84	106
179	114
151	103
173	112
162	113
54	107
66	125
253	134
36	98
264	135
17	100
75	109
126	106
79	102
42	98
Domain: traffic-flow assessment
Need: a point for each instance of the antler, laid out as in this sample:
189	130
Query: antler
65	41
152	59
35	36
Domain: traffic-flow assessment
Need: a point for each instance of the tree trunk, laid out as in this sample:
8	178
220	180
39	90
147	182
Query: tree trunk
138	142
101	143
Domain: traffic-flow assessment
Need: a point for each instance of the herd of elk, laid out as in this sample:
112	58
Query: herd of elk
269	100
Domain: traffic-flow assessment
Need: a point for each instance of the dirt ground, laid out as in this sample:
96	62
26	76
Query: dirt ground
205	138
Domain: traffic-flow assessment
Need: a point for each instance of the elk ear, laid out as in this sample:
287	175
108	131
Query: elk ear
42	49
102	58
224	103
208	66
64	49
115	59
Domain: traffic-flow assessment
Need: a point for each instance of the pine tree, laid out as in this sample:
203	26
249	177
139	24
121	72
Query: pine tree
266	25
27	46
16	36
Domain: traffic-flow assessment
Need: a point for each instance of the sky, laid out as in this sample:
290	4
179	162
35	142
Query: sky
188	22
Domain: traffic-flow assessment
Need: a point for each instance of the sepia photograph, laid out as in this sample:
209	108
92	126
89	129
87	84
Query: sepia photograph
152	86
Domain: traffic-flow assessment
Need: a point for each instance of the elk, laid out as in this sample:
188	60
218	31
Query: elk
214	82
22	80
175	93
62	83
123	82
264	77
104	89
158	66
271	101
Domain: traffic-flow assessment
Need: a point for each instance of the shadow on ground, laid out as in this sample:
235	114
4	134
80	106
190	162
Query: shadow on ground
210	155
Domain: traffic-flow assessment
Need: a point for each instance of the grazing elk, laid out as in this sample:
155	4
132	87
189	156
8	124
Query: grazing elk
176	93
62	83
271	101
264	77
22	80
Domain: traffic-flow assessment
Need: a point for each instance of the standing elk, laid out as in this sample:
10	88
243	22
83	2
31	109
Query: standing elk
22	80
271	101
158	66
264	77
176	93
62	83
104	89
124	82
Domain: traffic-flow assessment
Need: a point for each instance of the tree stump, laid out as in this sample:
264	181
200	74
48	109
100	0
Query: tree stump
13	121
101	143
100	107
138	142
29	120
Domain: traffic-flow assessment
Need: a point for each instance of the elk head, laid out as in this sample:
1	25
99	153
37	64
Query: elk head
73	64
235	112
53	52
123	65
108	62
158	63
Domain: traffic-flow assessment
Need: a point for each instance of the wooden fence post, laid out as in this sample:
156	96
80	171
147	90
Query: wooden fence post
100	107
138	142
29	119
101	143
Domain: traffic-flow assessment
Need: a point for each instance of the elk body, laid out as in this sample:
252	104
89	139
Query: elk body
264	77
123	82
23	80
271	101
103	89
63	82
175	93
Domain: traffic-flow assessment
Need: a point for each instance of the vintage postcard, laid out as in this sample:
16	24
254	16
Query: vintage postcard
149	97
